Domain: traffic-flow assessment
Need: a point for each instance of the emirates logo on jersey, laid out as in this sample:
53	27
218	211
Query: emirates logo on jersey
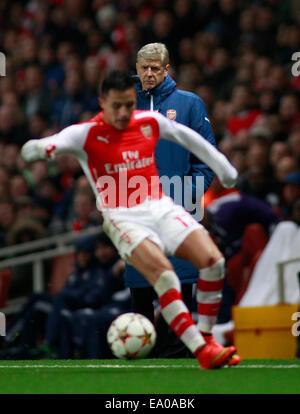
171	114
146	130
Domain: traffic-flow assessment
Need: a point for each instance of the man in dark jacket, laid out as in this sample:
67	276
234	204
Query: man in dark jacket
156	90
91	285
83	328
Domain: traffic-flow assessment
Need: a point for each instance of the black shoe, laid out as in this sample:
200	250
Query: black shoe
14	353
43	352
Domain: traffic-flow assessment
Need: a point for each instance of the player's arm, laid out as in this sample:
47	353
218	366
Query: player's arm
199	122
195	143
203	149
70	141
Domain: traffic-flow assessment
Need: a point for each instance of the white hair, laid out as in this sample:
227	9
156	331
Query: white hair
154	51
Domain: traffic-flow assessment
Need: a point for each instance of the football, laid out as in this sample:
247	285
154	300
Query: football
131	336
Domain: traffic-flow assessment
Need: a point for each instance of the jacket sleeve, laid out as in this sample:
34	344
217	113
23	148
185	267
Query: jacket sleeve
99	294
93	292
200	123
195	143
73	290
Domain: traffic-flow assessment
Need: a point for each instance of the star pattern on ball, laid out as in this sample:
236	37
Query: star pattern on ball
146	338
123	335
131	355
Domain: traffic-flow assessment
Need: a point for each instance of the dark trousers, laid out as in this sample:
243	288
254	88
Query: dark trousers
168	345
84	332
26	327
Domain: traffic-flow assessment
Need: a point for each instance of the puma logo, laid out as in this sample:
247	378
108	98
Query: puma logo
103	139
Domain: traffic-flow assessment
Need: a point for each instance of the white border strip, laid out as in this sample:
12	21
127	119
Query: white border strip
94	366
116	366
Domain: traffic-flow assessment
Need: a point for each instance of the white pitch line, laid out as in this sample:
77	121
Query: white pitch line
99	366
268	366
114	366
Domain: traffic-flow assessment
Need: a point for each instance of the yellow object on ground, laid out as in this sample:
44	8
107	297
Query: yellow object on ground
266	331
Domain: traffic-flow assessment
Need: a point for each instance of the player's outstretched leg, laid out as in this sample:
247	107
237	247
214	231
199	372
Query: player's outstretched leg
150	260
180	320
210	281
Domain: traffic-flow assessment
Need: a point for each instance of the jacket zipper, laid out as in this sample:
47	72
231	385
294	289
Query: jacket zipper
151	102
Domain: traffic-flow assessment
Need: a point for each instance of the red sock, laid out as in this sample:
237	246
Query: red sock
209	295
175	311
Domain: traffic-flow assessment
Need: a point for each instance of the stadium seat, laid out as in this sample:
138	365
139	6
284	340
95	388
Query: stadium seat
255	238
5	280
240	266
62	266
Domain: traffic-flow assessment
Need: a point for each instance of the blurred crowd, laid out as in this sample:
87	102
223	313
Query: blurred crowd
236	55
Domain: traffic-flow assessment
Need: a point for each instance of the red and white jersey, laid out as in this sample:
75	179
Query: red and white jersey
120	164
127	156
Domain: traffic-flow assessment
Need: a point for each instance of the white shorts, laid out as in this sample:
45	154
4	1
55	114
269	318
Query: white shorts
160	221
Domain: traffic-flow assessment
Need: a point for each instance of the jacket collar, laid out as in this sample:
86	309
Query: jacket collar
164	89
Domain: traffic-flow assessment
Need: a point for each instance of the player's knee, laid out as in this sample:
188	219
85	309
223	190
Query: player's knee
212	257
216	271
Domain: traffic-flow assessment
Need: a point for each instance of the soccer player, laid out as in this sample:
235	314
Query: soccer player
117	155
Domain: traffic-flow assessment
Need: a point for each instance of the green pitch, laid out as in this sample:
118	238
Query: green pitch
148	376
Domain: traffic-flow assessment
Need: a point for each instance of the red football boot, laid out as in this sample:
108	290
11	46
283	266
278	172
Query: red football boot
235	358
210	340
211	357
